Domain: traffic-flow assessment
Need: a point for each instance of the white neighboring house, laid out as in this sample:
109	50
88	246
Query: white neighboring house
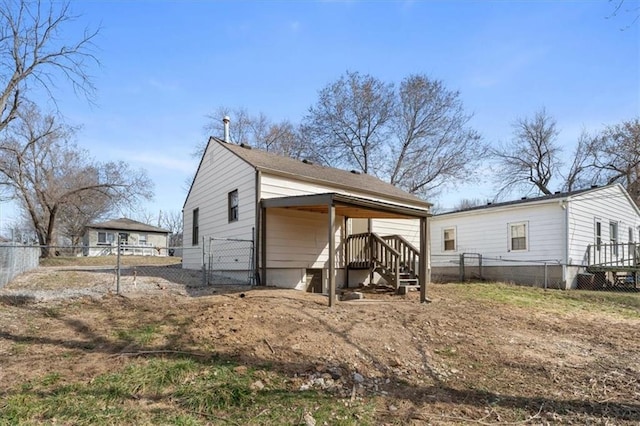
136	238
552	238
306	220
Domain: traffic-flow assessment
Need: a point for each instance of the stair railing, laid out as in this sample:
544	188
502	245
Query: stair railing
409	254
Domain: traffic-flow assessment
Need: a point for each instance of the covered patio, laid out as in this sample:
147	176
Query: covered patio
349	207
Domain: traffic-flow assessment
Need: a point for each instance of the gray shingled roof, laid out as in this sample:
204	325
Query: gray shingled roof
524	200
277	164
124	224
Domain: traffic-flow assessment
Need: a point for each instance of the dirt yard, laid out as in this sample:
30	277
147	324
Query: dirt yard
478	354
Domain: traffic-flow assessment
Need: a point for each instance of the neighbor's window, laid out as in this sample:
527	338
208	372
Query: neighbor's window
233	205
630	235
195	227
450	239
613	237
142	240
598	232
518	236
105	238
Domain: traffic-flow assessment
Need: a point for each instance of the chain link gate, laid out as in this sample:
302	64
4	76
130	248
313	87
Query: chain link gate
230	261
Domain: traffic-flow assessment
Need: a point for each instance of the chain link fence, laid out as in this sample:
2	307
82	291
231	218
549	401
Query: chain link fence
16	259
229	261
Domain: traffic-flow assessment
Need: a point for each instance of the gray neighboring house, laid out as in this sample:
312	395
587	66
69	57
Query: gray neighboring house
136	238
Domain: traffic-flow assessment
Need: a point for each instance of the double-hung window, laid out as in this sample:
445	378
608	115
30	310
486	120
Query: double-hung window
518	236
195	227
233	205
613	237
449	238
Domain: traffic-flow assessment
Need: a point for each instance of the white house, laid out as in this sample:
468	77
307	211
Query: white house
546	240
309	222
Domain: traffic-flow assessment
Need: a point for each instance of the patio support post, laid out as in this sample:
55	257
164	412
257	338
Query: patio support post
263	246
332	254
423	273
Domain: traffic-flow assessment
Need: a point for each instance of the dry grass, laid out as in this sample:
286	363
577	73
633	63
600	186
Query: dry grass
479	354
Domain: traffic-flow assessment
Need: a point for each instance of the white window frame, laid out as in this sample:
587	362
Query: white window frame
143	239
597	233
614	236
455	239
108	238
510	228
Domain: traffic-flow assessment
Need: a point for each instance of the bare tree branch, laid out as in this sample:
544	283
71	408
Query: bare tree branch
31	52
531	159
52	178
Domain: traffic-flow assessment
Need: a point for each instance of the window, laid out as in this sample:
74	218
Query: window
105	238
195	227
518	236
613	237
142	240
233	205
598	234
450	239
630	235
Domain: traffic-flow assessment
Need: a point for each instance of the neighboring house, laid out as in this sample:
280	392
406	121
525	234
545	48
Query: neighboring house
136	238
309	222
543	240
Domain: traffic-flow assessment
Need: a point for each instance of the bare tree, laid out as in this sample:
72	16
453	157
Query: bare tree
255	130
531	159
48	174
349	123
417	138
32	53
432	143
172	222
616	156
580	173
467	203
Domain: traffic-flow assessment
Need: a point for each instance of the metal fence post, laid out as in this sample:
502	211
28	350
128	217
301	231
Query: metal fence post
461	267
204	269
480	266
118	267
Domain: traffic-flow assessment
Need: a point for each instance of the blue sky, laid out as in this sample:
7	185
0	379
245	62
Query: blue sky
167	64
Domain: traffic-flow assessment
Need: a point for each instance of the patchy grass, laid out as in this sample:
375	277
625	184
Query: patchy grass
176	391
110	260
623	303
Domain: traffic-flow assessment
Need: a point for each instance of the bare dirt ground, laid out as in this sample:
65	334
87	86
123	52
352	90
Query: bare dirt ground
461	359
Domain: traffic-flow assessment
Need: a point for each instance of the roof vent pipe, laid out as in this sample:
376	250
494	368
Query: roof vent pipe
226	121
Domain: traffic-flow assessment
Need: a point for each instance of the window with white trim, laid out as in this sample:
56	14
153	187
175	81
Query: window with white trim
613	237
449	239
597	230
105	238
518	236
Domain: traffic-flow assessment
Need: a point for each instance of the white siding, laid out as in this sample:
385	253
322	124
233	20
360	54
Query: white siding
487	232
606	204
407	228
273	186
297	241
220	172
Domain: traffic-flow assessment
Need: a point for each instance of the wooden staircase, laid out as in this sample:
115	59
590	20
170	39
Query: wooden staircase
392	257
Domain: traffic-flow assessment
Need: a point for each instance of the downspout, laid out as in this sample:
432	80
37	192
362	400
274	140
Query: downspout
565	260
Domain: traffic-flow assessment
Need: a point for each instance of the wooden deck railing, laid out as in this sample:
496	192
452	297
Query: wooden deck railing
409	254
391	254
613	256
